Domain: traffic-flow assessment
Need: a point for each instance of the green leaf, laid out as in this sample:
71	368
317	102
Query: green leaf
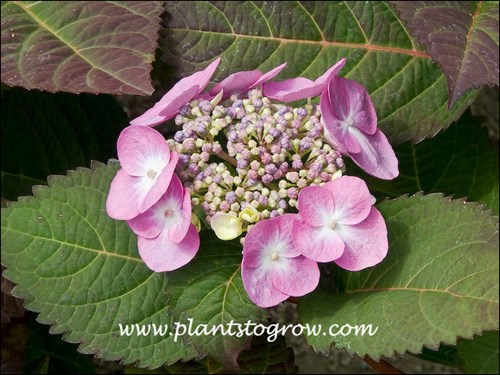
439	281
209	290
81	270
408	90
446	355
462	161
480	355
80	46
461	36
45	134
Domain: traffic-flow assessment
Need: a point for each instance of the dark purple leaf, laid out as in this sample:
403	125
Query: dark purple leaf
461	36
80	46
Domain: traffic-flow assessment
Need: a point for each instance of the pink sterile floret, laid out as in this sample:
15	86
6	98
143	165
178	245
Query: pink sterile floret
183	91
147	166
240	82
299	88
273	268
167	239
337	222
350	125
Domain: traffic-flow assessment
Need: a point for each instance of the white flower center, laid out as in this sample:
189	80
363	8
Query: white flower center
274	255
332	224
151	174
169	213
349	121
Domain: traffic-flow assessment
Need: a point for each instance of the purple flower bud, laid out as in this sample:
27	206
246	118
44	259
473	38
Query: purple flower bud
225	206
270	168
312	174
276	149
257	102
302	112
292	193
293	176
278	174
285	141
201	128
262	200
179	136
255	165
302	183
217	178
284	167
205	106
297	164
274	132
284	109
246	154
282	204
253	174
230	196
207	147
193	168
274	213
266	158
237	103
242	163
232	136
185	109
231	112
216	147
340	162
252	182
296	124
248	196
325	177
305	143
267	178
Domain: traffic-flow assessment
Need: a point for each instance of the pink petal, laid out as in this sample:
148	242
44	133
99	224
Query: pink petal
259	285
349	99
285	223
365	243
150	223
352	199
236	83
258	237
179	230
299	88
167	107
125	195
268	76
377	156
161	255
290	90
330	73
321	244
315	205
296	276
160	185
336	126
182	92
141	149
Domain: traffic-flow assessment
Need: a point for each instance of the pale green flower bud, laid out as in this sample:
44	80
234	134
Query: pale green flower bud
226	226
249	214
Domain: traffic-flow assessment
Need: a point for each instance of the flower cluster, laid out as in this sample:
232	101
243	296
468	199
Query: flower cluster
274	151
254	164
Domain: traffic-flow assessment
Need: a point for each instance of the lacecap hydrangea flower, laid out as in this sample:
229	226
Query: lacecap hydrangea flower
254	167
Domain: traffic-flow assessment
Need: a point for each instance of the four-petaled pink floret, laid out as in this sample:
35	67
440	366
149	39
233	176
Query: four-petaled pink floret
273	269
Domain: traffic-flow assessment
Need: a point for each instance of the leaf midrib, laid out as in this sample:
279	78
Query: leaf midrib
99	252
321	43
420	290
44	26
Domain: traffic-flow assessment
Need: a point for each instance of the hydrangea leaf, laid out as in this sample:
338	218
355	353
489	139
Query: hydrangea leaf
44	134
209	290
461	36
408	89
81	270
439	281
461	161
80	46
480	355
